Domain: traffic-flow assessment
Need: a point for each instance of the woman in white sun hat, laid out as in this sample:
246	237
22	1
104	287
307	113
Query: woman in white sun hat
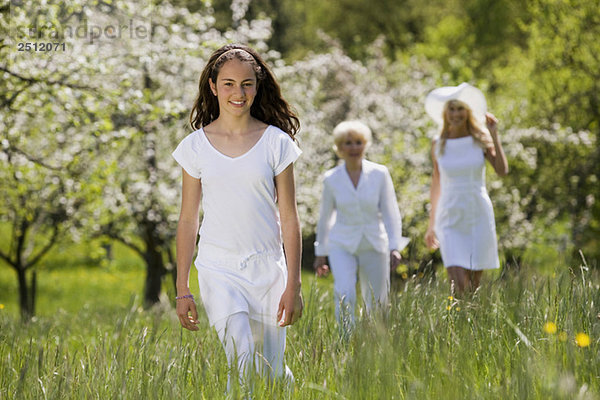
461	220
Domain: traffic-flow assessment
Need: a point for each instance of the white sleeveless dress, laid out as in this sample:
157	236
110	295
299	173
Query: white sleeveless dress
464	219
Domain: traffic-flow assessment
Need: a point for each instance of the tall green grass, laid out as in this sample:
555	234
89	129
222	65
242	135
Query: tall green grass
491	345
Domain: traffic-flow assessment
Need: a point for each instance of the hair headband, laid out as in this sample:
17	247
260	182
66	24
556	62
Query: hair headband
230	51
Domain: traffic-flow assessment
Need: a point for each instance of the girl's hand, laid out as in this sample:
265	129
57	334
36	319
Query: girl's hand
320	265
431	239
187	313
290	306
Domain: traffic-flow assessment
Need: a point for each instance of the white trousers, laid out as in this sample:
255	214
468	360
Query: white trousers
249	343
372	269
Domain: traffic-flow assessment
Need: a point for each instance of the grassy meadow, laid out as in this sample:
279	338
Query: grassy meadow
516	338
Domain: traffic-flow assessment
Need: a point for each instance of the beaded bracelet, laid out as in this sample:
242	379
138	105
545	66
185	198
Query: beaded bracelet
187	296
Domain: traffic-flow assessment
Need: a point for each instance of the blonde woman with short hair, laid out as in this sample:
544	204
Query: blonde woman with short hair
360	228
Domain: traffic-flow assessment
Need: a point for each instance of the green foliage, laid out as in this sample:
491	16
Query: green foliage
555	82
450	42
563	42
537	64
87	132
301	27
77	276
492	345
86	135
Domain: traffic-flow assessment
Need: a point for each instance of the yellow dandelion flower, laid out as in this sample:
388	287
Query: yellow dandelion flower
404	275
1	306
448	308
550	328
582	339
563	336
450	298
457	308
401	269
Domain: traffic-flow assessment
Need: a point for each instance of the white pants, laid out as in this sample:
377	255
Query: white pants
373	272
249	343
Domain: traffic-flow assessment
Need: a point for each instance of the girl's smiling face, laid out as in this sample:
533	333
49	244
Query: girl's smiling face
235	88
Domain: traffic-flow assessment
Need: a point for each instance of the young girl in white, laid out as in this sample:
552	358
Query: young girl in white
239	164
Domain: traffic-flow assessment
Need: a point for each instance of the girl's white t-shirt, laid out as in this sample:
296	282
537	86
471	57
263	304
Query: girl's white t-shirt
238	193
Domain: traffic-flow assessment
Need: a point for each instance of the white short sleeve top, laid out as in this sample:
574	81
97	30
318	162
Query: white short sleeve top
238	193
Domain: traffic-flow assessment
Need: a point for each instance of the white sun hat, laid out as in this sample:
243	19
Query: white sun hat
468	94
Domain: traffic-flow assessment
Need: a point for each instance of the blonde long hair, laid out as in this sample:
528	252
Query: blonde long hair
480	134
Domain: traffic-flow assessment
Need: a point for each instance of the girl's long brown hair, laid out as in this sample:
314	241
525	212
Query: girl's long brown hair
481	137
268	106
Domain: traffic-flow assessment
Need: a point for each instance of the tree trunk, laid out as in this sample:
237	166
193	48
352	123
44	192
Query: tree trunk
32	292
172	267
25	295
155	270
512	263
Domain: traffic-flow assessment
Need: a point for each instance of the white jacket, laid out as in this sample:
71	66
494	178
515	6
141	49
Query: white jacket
348	213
